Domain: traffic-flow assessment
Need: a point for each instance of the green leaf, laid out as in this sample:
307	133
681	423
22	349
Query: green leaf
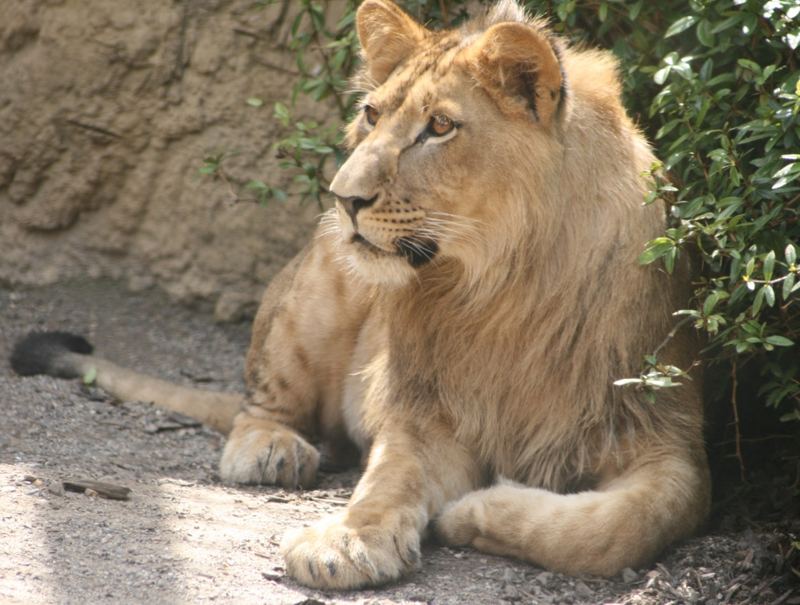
738	293
707	69
727	23
769	295
90	376
788	284
661	382
769	265
661	75
757	302
655	250
674	158
669	259
790	254
635	9
626	381
794	415
667	128
281	113
296	23
751	264
680	25
704	35
255	102
256	185
779	341
711	301
749	65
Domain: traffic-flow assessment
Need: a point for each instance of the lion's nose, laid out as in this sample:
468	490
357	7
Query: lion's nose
353	204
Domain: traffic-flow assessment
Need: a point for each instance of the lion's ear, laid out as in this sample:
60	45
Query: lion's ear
518	62
387	36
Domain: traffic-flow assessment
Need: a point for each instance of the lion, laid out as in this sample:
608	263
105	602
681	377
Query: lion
460	318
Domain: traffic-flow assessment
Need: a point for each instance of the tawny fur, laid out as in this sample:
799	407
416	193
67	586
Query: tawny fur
496	356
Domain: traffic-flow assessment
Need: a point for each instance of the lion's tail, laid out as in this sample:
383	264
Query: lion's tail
65	355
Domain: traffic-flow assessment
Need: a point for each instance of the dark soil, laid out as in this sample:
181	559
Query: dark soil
184	537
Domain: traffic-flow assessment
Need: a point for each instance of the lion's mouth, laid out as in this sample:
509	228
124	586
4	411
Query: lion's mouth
417	251
366	244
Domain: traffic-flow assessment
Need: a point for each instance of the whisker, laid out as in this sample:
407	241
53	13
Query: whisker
452	227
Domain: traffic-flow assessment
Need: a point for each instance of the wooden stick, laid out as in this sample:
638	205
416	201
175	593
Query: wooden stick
102	489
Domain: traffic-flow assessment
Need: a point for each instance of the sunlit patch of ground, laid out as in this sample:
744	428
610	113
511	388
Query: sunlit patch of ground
24	574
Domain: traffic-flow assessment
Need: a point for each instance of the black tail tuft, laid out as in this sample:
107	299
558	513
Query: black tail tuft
38	353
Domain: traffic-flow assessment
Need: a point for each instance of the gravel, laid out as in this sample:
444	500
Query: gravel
182	536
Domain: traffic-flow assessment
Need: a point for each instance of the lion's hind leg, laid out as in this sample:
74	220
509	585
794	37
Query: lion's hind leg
626	522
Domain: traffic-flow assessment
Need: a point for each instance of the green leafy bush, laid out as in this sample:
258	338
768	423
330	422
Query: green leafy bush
715	85
725	120
731	135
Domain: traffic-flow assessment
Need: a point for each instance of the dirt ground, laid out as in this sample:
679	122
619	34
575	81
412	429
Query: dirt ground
184	537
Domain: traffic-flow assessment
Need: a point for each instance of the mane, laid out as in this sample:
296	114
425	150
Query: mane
504	11
558	290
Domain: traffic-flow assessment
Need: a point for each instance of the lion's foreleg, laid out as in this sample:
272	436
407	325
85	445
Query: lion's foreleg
268	443
302	343
624	523
412	472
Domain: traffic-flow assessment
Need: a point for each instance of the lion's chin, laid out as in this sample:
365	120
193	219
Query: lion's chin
375	266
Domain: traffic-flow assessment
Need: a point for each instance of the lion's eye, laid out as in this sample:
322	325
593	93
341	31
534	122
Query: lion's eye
440	125
372	115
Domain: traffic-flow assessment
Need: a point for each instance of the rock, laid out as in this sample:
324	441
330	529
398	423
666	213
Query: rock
511	593
582	590
629	576
55	487
510	576
231	306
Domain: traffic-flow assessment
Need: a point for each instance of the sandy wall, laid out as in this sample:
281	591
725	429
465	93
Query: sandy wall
106	111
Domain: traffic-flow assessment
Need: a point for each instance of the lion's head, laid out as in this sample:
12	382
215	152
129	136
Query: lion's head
457	133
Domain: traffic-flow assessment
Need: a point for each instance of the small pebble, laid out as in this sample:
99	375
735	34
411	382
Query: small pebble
629	576
509	575
511	593
583	590
55	487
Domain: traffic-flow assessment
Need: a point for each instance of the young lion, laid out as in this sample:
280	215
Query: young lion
461	316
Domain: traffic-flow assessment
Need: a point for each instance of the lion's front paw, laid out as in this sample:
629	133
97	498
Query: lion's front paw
333	555
272	455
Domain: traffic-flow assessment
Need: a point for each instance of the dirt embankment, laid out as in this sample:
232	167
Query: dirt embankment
107	109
